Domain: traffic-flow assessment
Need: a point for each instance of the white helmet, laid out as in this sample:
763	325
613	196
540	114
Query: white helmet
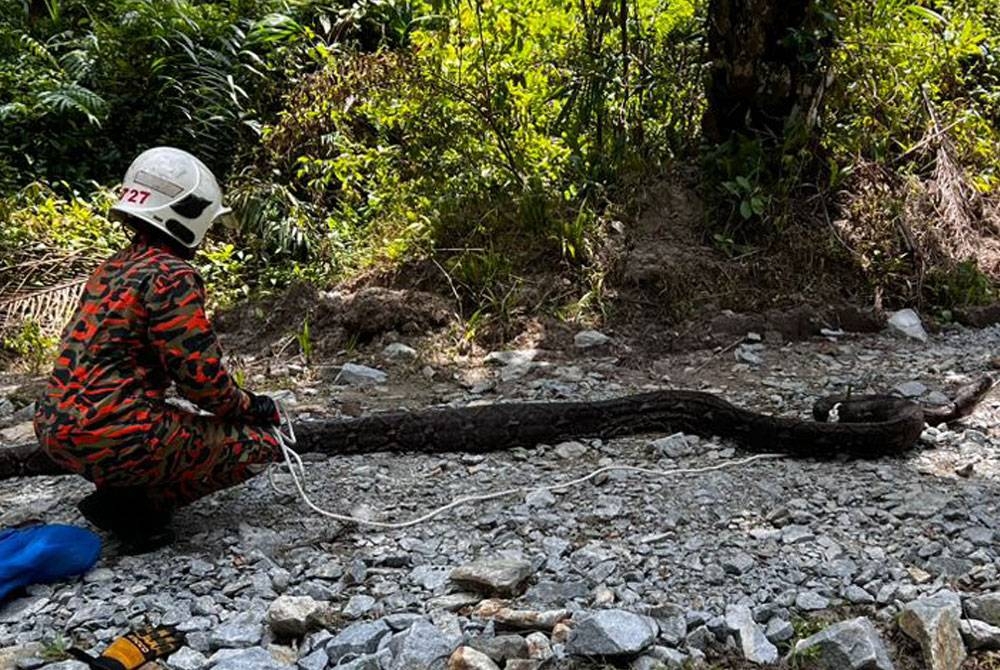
172	191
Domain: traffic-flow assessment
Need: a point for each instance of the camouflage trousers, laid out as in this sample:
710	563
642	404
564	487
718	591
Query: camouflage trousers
176	456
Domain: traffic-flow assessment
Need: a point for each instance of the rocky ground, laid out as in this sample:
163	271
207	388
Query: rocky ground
732	566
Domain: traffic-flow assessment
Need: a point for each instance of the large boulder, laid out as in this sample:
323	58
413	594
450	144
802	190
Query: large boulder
848	645
934	623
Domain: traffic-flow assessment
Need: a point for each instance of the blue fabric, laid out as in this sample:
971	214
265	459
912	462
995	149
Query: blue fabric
44	553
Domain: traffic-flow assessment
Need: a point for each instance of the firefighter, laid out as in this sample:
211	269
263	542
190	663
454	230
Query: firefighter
140	327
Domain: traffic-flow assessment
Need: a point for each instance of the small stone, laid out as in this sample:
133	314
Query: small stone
611	633
985	607
356	640
779	630
467	658
586	339
503	577
809	601
540	498
570	450
420	647
237	633
453	602
858	595
502	647
358	606
912	389
295	615
254	658
517	358
527	619
398	350
316	660
754	643
906	322
934	623
848	645
738	563
187	658
538	646
360	375
980	635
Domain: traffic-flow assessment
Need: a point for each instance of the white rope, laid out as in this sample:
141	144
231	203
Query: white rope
285	436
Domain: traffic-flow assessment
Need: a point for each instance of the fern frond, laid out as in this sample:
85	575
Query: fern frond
75	98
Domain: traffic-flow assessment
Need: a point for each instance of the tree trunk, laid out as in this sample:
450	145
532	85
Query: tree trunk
764	61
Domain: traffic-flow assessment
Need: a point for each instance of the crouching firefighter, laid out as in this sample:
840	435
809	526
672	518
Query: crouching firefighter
140	326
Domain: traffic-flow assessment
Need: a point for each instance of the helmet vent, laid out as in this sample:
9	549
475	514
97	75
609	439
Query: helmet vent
180	231
168	188
191	206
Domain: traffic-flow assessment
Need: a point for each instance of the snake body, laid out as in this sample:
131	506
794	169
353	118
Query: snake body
868	426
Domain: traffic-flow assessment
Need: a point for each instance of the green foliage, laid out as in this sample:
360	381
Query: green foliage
893	53
29	345
964	284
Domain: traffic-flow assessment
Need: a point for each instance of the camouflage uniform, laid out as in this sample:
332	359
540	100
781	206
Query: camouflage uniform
141	325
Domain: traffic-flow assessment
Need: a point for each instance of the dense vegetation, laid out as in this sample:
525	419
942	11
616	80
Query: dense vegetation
491	137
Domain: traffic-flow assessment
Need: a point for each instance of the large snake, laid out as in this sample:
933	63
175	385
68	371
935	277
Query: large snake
868	426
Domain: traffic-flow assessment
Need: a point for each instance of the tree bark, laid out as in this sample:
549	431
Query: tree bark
762	74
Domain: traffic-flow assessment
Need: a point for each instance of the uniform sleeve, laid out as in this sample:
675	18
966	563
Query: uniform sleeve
187	345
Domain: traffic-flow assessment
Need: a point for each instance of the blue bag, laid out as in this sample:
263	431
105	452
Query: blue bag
44	553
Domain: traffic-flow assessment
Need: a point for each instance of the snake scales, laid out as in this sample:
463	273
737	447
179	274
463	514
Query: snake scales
869	426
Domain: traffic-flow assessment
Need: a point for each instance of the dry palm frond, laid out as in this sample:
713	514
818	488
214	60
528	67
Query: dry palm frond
49	307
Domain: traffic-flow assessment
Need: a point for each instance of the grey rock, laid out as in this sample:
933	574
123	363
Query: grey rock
848	645
295	615
516	357
421	647
672	622
809	601
795	534
254	658
238	632
502	577
611	633
984	607
453	602
779	630
360	375
540	498
570	450
979	635
586	339
906	322
67	665
315	660
369	662
754	643
358	606
502	647
911	389
356	640
398	350
858	595
556	593
469	658
738	563
934	623
187	658
430	577
676	445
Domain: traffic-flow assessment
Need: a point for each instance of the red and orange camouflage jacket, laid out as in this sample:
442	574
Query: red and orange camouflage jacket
140	325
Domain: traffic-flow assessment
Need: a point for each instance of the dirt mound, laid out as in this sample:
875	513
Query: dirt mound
334	319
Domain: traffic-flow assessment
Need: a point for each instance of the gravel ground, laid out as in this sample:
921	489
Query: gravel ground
788	539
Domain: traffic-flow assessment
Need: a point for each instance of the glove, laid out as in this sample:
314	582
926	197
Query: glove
263	410
133	650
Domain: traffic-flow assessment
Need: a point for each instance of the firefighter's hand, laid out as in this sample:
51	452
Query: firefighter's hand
263	410
134	649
